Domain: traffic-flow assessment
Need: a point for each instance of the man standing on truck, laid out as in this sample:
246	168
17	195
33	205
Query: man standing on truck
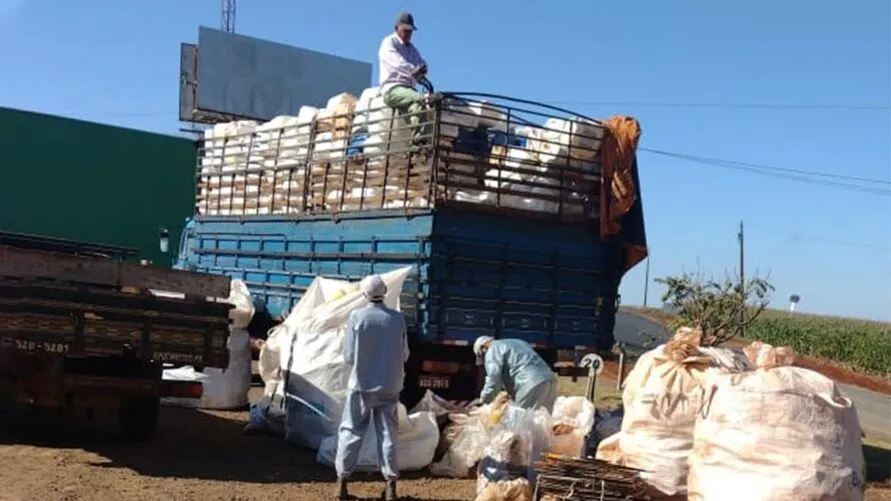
401	65
513	366
376	347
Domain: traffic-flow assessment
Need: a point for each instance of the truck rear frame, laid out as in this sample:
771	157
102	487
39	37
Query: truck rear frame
82	329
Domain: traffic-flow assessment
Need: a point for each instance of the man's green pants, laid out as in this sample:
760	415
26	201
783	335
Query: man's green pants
409	105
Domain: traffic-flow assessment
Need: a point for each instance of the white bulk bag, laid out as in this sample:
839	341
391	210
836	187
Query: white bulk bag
312	370
663	396
415	445
778	434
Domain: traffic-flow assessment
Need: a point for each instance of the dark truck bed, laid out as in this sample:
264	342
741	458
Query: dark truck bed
83	329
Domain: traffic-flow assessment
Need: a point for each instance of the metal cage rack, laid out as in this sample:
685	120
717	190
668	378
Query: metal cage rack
485	151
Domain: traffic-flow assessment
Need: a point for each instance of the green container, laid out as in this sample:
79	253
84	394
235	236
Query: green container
72	179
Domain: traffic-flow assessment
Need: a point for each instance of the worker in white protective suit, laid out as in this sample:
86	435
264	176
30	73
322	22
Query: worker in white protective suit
513	366
376	347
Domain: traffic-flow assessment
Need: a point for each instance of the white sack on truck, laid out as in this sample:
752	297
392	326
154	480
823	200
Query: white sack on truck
662	398
223	389
778	433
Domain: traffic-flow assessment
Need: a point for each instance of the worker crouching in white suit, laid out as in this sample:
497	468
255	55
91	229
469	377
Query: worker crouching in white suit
513	366
376	347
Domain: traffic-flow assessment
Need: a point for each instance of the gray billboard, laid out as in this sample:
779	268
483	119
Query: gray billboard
247	77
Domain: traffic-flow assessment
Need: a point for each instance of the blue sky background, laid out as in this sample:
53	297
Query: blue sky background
116	61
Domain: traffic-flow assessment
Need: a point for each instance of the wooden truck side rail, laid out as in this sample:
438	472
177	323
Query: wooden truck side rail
58	303
36	264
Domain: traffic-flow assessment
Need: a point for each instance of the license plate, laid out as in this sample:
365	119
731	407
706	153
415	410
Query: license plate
434	382
35	346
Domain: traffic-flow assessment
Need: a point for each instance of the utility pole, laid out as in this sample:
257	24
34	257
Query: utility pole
647	282
742	280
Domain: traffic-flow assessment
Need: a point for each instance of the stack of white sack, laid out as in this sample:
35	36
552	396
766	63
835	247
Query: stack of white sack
572	142
228	147
776	433
228	154
223	389
284	141
306	376
662	398
333	127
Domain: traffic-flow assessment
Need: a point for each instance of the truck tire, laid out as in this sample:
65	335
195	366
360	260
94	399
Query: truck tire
138	417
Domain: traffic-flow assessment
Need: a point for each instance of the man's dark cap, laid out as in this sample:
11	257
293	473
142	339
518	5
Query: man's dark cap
404	18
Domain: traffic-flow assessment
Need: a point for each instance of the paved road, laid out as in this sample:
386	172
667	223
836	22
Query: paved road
635	331
874	408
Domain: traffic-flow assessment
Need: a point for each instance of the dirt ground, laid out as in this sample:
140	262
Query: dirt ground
196	455
205	455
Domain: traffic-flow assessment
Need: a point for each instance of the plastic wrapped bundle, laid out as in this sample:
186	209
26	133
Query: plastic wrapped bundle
572	420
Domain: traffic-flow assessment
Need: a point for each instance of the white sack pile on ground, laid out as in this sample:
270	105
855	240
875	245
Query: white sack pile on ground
774	434
223	388
723	425
662	398
503	441
305	378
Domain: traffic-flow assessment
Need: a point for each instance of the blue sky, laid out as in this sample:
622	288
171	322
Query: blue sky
117	62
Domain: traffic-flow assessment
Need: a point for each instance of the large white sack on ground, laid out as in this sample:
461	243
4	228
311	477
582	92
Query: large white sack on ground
415	447
777	434
307	387
663	396
221	389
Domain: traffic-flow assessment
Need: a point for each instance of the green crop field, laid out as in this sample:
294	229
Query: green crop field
859	344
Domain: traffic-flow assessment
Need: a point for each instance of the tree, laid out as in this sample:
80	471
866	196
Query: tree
718	308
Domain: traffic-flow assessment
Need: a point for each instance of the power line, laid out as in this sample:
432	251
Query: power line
800	236
722	106
769	167
806	176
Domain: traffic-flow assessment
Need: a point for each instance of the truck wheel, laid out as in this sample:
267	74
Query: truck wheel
139	417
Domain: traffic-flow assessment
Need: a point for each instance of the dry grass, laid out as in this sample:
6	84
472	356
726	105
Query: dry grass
605	394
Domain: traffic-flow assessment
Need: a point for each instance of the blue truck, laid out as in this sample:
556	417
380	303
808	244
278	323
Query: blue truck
504	235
